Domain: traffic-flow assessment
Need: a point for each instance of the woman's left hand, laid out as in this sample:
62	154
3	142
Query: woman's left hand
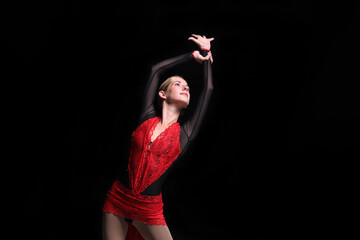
200	58
201	41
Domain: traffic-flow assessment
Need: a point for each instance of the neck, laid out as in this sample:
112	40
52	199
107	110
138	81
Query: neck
170	114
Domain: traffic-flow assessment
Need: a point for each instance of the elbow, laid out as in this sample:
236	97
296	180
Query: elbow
210	91
210	88
154	69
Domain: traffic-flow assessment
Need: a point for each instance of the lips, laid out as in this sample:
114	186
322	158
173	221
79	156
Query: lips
184	94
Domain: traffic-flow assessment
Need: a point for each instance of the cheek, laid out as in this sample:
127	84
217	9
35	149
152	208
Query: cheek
173	91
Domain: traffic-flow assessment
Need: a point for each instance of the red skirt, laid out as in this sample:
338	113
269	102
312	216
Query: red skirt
122	202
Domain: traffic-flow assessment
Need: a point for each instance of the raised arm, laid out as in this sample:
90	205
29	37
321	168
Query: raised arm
192	125
151	89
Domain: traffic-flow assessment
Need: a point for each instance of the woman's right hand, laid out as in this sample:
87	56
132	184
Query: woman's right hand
200	58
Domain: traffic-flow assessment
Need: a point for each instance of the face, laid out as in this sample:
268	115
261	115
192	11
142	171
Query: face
177	92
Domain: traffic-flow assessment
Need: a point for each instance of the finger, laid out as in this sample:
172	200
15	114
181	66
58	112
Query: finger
195	35
201	58
209	57
210	39
193	39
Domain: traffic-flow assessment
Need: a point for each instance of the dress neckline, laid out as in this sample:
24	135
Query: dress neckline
157	120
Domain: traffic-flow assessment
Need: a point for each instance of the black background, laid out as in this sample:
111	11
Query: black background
274	158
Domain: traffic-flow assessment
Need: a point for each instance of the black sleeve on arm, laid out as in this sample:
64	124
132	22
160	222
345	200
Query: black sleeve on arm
192	125
151	88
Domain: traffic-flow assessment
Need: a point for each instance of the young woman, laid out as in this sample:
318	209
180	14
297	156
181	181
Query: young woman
133	208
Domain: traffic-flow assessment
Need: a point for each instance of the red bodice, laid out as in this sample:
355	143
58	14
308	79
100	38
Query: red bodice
149	160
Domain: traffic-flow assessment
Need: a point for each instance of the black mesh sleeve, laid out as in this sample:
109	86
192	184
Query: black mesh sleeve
196	116
151	88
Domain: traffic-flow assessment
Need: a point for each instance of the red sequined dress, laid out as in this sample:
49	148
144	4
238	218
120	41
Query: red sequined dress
136	194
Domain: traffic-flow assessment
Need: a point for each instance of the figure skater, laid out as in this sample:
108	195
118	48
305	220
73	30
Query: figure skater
133	208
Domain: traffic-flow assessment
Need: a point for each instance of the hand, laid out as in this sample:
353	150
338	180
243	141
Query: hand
201	41
199	58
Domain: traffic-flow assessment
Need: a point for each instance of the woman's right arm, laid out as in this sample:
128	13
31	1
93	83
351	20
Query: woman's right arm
151	88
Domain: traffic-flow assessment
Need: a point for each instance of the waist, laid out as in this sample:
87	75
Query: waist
153	189
124	202
119	190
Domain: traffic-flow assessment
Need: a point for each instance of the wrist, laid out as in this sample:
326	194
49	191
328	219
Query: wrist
203	52
193	54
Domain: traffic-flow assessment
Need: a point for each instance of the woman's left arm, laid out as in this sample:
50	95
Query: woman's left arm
192	125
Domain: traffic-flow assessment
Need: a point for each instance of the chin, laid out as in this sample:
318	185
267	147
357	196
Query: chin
182	105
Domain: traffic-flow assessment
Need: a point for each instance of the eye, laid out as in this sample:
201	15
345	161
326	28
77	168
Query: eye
177	84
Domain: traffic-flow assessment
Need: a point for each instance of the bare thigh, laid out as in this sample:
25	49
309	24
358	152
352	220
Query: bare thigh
114	227
153	232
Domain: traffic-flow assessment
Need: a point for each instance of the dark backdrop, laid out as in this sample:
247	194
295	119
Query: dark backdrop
275	156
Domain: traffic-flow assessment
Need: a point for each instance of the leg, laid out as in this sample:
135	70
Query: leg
114	227
153	232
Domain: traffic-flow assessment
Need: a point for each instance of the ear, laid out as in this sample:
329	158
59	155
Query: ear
162	95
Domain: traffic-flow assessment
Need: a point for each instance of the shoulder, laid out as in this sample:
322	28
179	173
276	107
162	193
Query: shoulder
145	122
183	133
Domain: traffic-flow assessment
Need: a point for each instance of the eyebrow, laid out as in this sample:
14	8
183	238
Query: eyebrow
181	83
